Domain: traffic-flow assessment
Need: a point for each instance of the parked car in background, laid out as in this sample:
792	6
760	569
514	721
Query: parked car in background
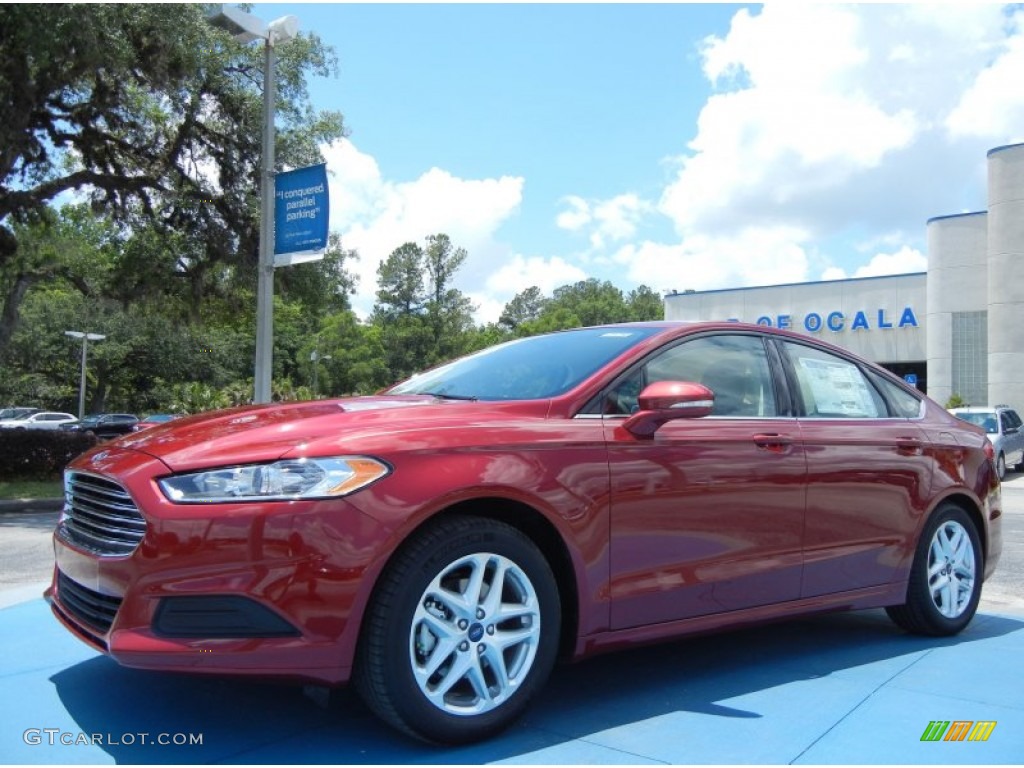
1004	428
17	413
442	543
40	420
105	425
152	420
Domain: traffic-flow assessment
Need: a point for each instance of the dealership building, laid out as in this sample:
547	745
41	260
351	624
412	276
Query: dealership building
957	328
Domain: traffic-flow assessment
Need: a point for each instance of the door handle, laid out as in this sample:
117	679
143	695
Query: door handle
772	442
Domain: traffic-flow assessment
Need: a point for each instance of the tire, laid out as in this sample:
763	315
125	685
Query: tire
442	655
1001	466
945	578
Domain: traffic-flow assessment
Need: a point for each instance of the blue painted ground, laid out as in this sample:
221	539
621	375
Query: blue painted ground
844	688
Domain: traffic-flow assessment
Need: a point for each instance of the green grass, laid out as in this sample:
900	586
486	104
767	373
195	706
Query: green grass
31	489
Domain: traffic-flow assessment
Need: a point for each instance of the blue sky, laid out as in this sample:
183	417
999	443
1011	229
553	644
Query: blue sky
674	145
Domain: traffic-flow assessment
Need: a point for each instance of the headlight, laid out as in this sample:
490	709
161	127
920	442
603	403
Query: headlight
280	480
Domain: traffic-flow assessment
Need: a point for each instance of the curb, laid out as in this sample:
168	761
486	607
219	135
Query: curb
31	505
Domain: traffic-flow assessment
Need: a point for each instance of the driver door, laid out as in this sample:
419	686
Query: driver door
707	516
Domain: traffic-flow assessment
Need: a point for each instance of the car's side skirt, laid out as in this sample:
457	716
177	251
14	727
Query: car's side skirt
870	597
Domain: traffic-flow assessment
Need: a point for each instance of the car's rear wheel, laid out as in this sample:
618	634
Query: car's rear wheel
462	631
945	578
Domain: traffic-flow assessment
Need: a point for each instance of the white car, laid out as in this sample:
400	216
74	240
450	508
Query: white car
41	420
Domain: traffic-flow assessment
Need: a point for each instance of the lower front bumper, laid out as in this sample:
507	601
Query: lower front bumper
289	656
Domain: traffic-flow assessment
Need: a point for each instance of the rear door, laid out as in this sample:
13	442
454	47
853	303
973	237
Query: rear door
868	473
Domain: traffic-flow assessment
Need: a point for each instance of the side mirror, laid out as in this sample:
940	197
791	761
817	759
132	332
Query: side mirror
665	401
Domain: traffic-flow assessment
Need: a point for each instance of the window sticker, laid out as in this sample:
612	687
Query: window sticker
838	388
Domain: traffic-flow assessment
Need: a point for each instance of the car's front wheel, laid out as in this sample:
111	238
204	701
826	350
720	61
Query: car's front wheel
462	631
1001	466
945	578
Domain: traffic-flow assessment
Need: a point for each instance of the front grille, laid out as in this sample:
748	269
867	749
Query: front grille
100	516
92	609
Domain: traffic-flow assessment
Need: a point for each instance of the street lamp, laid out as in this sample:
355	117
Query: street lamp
245	28
316	357
86	338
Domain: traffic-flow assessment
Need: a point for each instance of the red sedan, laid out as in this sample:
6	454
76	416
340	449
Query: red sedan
442	544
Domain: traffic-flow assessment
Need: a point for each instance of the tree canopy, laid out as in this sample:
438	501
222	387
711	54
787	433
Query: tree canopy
129	183
154	116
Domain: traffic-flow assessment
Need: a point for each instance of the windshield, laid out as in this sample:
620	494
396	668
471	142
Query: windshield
984	419
526	369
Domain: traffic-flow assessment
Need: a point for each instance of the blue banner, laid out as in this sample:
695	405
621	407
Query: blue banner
301	211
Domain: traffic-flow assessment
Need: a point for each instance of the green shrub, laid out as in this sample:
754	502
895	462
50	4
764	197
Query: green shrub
38	454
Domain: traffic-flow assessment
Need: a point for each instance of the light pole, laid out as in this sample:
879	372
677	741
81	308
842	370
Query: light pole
86	338
245	28
316	357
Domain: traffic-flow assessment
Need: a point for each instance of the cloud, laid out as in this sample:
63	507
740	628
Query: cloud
828	121
609	221
751	256
904	260
488	309
618	218
993	106
375	216
577	216
834	273
521	272
799	115
901	262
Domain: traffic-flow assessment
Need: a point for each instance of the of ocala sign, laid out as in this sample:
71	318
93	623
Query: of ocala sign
836	321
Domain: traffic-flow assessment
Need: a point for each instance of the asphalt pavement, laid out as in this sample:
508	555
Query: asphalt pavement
836	689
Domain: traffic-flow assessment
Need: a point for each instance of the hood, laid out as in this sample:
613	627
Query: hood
320	427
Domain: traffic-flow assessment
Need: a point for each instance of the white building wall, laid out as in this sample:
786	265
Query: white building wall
1005	288
880	318
957	282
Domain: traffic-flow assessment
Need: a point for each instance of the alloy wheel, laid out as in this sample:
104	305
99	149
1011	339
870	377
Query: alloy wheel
475	633
952	569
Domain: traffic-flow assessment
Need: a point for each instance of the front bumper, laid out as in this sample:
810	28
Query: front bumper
273	589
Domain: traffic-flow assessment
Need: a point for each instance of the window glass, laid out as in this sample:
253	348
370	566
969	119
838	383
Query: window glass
984	419
905	404
735	368
528	368
832	387
1014	419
